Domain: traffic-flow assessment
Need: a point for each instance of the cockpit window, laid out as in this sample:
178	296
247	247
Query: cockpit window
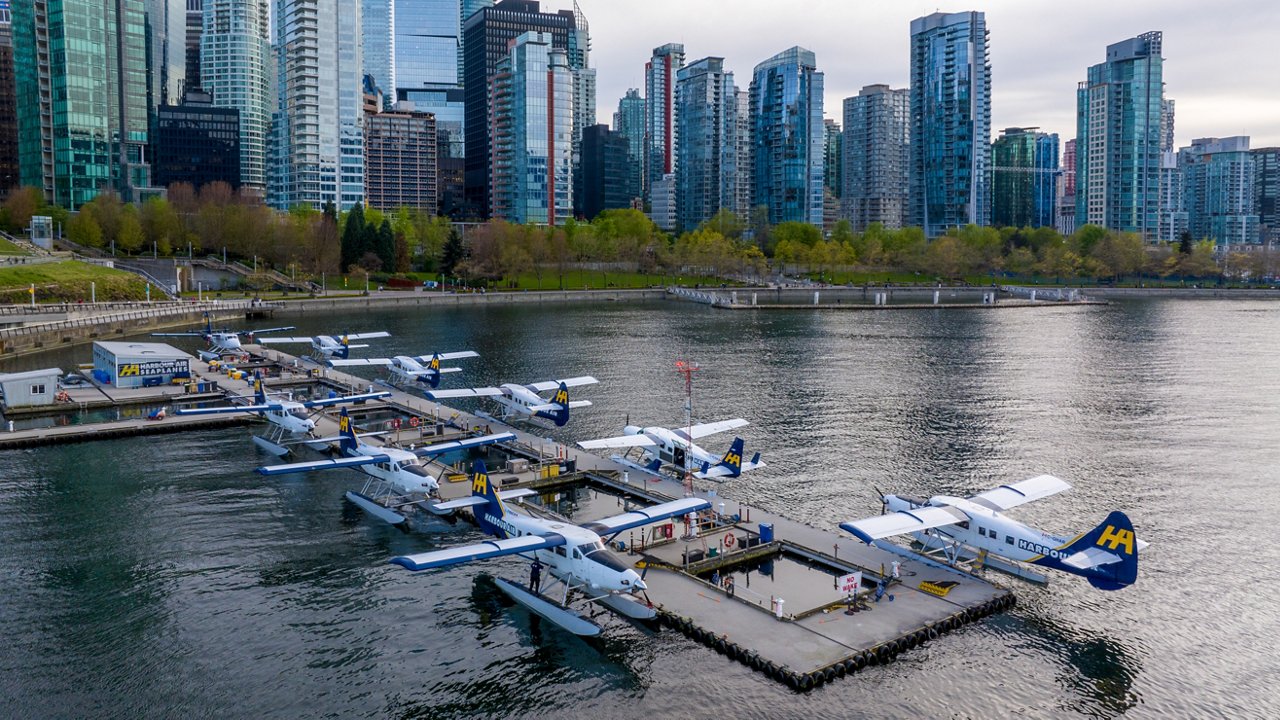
300	414
416	470
595	552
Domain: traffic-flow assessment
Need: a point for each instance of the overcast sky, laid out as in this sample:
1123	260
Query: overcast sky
1222	59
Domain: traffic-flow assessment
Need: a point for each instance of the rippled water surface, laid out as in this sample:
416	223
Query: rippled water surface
161	577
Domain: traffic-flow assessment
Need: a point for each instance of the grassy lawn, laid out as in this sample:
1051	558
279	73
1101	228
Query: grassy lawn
68	281
8	248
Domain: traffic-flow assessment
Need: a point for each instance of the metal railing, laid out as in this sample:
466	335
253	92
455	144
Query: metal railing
166	310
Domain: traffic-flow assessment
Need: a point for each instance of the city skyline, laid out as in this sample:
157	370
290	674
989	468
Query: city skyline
1218	68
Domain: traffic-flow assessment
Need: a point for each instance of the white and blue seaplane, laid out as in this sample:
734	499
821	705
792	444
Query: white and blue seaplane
291	421
406	371
324	347
522	402
398	479
574	555
220	342
1107	556
675	446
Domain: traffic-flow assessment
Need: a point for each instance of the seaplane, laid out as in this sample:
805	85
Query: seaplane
574	555
410	371
221	342
398	479
1107	556
524	402
289	419
676	446
324	347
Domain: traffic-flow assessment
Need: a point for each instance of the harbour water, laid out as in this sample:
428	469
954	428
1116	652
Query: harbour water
159	577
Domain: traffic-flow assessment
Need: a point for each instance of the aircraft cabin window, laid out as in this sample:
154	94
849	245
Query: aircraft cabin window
560	551
964	525
1008	540
577	555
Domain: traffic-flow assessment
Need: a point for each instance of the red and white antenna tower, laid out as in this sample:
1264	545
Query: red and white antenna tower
687	369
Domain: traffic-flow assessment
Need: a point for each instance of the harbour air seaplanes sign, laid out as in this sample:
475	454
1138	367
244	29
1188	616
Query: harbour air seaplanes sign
152	368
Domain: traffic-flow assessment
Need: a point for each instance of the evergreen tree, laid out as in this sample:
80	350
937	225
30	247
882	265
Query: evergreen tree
386	246
330	211
1185	243
353	237
451	255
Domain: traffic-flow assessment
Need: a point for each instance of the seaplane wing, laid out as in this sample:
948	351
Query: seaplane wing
346	462
636	518
257	331
471	500
623	441
268	341
452	445
904	521
448	356
347	399
343	362
228	409
568	382
366	336
1008	496
705	429
465	392
479	551
178	334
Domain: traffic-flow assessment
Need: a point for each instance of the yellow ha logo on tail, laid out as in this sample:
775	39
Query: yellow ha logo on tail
1112	538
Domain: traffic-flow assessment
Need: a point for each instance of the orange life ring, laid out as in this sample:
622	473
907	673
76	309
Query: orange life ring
413	421
729	540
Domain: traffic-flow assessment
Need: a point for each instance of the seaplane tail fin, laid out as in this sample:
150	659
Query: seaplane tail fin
432	375
729	466
558	412
1107	555
259	392
489	514
347	433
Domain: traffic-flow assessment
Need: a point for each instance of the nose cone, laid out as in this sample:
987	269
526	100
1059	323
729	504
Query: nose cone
309	424
635	583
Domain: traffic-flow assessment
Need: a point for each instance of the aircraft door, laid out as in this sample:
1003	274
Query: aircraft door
678	457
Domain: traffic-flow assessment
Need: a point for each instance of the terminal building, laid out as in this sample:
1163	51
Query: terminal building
133	365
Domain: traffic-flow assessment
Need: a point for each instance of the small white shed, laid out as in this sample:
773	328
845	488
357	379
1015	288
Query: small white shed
34	387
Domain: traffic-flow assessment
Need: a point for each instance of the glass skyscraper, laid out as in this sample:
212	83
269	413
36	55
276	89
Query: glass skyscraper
1218	190
1266	189
660	113
84	118
1024	178
786	107
378	44
629	122
487	34
1120	132
532	131
319	145
706	112
876	157
235	55
950	122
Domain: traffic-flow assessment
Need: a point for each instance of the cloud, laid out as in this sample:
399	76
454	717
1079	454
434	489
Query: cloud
1220	61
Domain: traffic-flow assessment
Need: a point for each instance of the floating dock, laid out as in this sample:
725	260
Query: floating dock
777	607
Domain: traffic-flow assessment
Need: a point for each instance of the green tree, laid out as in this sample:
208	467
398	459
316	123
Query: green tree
130	236
353	237
161	224
83	228
385	245
1185	242
19	206
949	257
727	223
452	254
